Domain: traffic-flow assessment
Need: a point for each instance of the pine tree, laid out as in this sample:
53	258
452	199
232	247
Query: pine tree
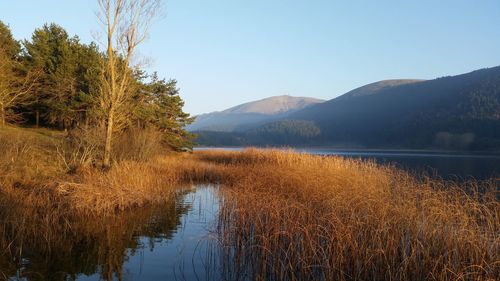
160	105
15	83
70	74
10	46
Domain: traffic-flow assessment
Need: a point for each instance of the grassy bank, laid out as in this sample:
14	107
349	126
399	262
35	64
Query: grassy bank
36	173
284	216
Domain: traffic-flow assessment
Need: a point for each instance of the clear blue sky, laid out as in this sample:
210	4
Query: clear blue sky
225	52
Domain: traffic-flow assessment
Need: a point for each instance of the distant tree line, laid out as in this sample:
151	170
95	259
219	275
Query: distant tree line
276	133
54	80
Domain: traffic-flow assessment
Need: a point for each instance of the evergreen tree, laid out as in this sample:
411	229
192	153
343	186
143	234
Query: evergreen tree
15	83
53	51
160	105
10	46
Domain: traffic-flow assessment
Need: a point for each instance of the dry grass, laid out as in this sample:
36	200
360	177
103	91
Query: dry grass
27	153
284	215
128	184
39	170
289	216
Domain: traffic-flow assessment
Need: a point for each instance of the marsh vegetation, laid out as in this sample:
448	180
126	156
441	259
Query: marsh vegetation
282	215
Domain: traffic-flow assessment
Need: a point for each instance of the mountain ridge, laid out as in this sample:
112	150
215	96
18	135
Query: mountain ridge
242	115
376	87
452	112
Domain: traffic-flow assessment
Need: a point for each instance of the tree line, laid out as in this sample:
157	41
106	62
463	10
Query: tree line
56	81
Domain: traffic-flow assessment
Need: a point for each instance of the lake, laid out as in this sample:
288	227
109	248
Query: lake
447	165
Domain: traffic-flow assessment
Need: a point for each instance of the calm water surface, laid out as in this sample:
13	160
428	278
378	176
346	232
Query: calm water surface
170	242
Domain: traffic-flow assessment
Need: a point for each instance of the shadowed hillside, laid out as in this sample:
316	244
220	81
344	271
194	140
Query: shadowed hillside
454	112
458	112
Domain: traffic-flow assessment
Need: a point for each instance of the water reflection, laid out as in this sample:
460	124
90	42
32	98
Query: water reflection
167	242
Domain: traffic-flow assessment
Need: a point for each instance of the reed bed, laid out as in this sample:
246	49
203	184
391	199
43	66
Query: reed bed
290	216
283	215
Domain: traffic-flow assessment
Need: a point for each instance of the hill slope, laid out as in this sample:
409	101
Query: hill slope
455	112
377	87
251	114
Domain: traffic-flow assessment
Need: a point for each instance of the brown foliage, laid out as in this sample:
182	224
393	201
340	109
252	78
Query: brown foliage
290	216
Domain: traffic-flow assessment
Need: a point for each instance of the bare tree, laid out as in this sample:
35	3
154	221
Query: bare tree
126	24
14	86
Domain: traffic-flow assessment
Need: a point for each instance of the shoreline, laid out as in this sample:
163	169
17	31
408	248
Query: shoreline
403	151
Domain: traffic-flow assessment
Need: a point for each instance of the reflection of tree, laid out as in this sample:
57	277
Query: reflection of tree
62	249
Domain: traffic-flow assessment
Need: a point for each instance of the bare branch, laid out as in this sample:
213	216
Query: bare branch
127	23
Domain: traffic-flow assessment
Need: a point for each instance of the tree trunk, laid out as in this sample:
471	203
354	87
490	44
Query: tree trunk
106	163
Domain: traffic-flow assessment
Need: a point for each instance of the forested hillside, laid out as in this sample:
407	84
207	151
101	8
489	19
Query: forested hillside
455	112
289	132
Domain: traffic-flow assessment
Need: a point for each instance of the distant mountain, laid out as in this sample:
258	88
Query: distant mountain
454	112
251	114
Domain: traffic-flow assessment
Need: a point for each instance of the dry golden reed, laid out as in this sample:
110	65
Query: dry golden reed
290	216
35	173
